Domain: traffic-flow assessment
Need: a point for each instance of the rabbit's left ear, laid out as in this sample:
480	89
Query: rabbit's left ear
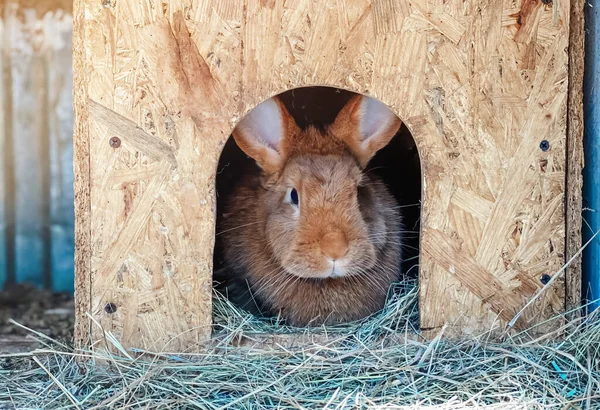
366	125
263	134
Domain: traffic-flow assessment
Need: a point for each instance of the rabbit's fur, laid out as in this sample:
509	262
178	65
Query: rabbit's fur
331	257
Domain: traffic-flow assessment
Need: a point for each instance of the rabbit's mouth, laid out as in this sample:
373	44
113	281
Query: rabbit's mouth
332	270
338	269
337	272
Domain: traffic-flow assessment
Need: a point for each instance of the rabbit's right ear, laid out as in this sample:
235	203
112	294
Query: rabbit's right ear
263	132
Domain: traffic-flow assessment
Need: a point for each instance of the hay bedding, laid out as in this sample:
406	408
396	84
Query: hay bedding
355	369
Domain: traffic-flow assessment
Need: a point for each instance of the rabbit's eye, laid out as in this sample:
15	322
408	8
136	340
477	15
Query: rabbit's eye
294	196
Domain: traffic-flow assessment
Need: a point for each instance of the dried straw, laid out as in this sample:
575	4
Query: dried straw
371	364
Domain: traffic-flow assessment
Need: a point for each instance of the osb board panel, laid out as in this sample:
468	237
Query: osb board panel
479	83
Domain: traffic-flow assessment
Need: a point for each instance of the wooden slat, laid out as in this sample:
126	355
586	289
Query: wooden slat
81	166
575	152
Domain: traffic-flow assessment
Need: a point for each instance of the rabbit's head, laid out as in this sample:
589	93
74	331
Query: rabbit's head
323	219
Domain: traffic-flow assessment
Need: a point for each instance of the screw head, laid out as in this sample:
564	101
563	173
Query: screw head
547	1
115	142
110	308
545	279
544	145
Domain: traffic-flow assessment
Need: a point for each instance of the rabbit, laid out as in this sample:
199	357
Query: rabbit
314	236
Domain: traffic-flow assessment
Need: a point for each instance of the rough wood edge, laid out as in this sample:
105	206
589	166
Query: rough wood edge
574	177
81	168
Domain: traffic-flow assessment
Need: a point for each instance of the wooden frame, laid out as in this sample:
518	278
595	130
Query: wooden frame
483	87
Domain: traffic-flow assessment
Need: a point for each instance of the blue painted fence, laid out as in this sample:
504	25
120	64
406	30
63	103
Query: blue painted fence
591	174
36	128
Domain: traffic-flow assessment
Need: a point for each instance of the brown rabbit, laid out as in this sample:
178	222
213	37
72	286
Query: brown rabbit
314	235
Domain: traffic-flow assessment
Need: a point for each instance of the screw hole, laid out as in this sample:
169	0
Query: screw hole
110	308
115	142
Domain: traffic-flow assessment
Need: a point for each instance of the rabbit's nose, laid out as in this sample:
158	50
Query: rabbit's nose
334	245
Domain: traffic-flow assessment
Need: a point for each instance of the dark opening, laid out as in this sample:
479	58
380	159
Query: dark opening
397	164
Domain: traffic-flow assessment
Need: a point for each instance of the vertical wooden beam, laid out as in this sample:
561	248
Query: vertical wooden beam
574	182
81	158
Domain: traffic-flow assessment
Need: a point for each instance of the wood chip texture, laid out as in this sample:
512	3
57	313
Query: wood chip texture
480	84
